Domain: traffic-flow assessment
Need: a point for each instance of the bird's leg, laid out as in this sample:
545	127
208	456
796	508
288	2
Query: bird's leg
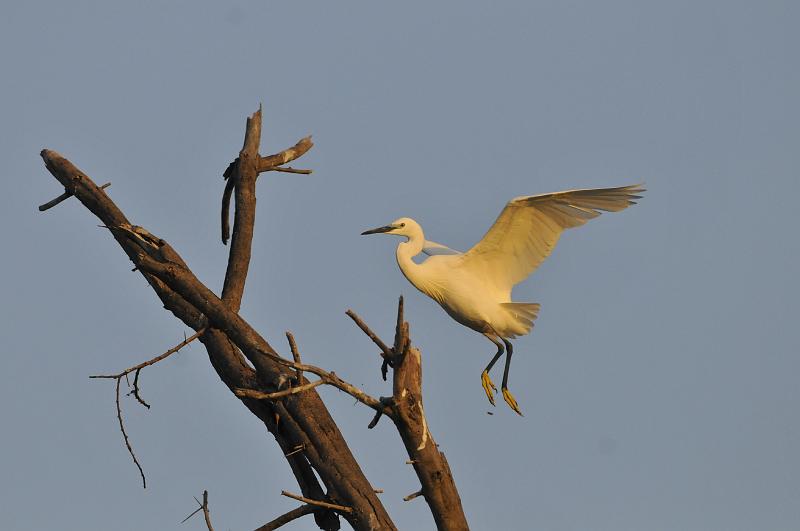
487	383
507	396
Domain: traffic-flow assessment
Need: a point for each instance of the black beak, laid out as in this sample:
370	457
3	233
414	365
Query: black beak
379	230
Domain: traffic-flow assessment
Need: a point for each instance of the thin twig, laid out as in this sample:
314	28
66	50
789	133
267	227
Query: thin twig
202	507
327	505
66	195
258	395
386	352
413	495
287	169
155	360
284	519
298	448
195	511
135	391
330	378
295	355
125	436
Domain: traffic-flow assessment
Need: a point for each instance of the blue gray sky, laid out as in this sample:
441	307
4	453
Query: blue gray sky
660	384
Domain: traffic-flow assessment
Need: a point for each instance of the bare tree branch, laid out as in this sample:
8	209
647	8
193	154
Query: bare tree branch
259	395
125	437
272	162
155	360
135	391
386	352
137	368
412	496
202	507
301	424
303	420
288	169
243	178
206	511
284	519
319	503
295	355
430	465
66	195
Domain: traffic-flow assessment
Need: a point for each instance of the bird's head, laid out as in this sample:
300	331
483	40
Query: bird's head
400	227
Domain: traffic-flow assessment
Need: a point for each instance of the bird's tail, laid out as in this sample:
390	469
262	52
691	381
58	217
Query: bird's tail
524	313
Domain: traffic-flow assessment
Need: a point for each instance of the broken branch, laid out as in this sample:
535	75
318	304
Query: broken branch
412	496
258	395
284	519
386	352
327	505
288	169
271	162
295	355
66	195
202	507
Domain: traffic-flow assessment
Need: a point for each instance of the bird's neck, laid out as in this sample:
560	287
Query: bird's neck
405	252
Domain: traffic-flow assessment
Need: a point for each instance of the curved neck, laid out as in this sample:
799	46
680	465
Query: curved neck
405	252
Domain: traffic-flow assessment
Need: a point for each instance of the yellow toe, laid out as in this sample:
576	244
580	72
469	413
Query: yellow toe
511	401
488	386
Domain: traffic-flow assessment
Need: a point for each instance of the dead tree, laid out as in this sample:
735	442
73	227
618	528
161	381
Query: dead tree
275	388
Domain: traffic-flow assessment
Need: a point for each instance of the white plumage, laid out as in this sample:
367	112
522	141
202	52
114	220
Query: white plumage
474	287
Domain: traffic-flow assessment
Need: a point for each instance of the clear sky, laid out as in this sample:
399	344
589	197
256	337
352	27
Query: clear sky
660	384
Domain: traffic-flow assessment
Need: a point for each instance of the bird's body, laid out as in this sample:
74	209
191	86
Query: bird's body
465	296
474	288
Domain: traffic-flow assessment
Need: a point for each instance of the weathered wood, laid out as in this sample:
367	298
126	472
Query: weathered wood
248	365
406	410
243	178
303	419
430	464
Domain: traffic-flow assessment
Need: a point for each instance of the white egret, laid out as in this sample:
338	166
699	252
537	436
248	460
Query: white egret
474	287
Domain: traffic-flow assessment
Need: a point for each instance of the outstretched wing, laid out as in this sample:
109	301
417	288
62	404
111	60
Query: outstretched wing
528	228
435	249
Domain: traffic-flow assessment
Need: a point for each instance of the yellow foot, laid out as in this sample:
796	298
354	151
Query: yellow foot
511	401
488	386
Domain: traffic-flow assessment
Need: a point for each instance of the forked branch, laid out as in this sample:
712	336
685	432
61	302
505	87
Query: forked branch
137	368
302	422
331	481
430	464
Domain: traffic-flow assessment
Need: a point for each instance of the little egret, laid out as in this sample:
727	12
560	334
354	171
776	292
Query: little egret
474	287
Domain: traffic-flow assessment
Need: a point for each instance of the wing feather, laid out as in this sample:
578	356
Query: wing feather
529	227
435	249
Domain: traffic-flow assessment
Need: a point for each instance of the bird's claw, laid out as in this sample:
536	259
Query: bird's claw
511	401
488	386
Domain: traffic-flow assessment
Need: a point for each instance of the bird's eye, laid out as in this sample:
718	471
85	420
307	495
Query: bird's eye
402	224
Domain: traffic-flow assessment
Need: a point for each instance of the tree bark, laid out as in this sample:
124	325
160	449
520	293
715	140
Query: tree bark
299	421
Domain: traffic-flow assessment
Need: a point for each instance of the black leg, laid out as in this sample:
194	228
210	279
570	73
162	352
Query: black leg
486	382
507	396
496	356
509	352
